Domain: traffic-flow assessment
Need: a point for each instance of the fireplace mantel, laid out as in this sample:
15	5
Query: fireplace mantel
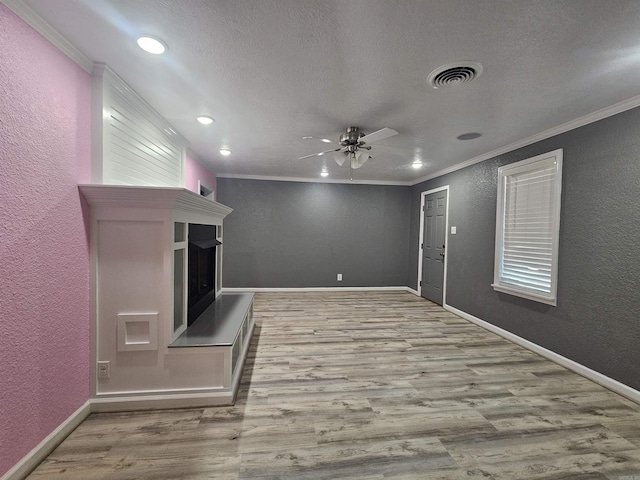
164	198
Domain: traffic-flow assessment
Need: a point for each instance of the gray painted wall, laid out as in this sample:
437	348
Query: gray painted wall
301	234
597	321
294	234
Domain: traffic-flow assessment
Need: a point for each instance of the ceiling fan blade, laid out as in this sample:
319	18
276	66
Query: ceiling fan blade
319	154
379	135
322	139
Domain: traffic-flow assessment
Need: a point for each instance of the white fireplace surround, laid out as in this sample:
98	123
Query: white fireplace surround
132	249
140	216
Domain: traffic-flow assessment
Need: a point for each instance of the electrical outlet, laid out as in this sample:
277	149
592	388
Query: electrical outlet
339	277
104	369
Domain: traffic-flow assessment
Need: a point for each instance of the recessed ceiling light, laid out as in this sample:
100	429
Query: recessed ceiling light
469	136
204	120
151	45
326	140
416	165
225	152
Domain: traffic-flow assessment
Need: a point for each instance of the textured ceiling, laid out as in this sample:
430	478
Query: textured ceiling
273	71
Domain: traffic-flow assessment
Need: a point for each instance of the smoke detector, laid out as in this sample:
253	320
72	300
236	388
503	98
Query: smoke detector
454	74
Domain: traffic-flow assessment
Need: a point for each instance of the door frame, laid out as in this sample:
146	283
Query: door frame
423	196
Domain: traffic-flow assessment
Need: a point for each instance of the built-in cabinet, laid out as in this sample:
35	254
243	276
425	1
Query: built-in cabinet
145	356
145	353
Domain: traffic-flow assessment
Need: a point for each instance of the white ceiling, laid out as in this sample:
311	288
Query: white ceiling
273	71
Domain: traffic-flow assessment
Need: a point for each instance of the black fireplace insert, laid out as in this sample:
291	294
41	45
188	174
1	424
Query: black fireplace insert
202	269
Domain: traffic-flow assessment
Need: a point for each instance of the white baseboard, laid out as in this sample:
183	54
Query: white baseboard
152	402
161	402
114	404
31	460
320	289
599	378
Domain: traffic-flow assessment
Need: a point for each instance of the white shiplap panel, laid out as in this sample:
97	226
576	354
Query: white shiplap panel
128	177
133	107
121	168
123	143
121	162
139	151
141	129
141	159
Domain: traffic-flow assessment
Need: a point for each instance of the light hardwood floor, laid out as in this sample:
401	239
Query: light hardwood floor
370	386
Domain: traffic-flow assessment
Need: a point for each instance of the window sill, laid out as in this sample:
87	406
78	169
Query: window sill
520	293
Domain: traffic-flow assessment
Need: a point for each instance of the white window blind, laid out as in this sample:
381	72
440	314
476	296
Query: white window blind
527	227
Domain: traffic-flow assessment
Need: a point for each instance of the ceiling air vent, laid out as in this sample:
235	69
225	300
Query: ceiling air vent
454	74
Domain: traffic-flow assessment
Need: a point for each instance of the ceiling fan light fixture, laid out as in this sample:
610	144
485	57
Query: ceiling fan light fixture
324	173
151	45
359	159
417	164
352	146
225	152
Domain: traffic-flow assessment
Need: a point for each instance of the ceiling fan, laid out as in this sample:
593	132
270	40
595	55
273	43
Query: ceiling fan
354	146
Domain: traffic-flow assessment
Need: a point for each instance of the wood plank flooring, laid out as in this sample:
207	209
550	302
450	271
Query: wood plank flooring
371	385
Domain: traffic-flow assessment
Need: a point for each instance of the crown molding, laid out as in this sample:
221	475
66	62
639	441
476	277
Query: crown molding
313	180
28	15
593	117
36	22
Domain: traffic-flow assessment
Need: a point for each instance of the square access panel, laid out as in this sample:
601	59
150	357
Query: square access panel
137	331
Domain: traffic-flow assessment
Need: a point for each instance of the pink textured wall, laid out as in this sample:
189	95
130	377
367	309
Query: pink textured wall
194	172
44	263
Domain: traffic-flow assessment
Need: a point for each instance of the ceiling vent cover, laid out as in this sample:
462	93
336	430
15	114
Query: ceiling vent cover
454	74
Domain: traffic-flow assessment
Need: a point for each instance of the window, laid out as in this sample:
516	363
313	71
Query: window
528	226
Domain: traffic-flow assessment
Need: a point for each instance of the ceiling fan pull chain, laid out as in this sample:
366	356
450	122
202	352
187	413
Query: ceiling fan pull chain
351	167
